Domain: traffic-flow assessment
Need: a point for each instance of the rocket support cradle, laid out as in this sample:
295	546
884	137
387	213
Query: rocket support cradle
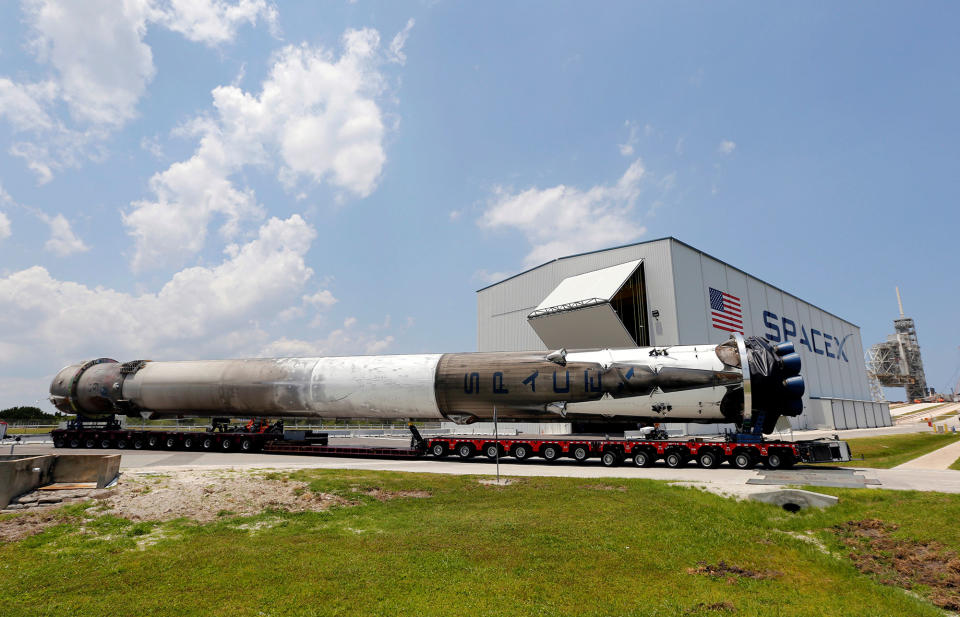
739	381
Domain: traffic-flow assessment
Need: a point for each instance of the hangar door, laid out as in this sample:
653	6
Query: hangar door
603	308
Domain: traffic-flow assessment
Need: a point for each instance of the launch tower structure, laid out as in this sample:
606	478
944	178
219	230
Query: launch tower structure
896	361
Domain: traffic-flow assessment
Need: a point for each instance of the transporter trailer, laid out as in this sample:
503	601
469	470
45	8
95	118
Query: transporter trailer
740	451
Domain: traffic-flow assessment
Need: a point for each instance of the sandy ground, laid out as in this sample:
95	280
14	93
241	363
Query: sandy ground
200	495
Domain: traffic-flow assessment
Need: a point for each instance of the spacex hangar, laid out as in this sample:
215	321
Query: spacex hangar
665	292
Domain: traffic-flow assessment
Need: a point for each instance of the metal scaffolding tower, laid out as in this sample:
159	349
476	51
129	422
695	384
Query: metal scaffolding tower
897	361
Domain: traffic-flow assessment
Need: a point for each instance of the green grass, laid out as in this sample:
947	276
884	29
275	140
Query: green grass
544	546
889	451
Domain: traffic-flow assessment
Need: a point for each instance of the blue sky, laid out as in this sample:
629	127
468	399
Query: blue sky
235	178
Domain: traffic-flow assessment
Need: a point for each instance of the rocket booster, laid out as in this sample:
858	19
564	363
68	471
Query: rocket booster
731	382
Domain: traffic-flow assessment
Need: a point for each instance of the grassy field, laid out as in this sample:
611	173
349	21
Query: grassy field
889	451
543	546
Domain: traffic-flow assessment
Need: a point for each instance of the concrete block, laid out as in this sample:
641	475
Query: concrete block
793	500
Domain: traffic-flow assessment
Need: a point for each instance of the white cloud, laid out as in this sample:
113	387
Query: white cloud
315	114
4	226
726	147
100	68
321	299
627	148
212	21
97	50
349	339
62	240
562	220
395	52
24	105
199	312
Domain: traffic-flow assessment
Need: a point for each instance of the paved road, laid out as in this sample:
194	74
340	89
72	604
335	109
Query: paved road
938	459
725	480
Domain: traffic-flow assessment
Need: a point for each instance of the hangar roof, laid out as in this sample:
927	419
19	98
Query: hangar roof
672	238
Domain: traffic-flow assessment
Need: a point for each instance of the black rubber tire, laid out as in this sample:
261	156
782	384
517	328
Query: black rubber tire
642	458
674	460
170	443
551	452
246	445
521	451
708	459
121	444
153	441
226	445
105	444
742	460
438	450
60	442
774	460
74	442
90	443
465	451
189	443
207	444
138	444
610	458
580	453
491	450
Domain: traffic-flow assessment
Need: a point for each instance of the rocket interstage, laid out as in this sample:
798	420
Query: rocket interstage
735	382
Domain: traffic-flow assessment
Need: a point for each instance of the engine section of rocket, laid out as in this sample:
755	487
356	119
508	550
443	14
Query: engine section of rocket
739	381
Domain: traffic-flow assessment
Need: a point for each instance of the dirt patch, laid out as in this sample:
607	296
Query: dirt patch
730	573
202	496
926	567
604	487
384	495
718	607
30	523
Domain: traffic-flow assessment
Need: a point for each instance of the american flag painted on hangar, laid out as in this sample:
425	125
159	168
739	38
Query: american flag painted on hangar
725	311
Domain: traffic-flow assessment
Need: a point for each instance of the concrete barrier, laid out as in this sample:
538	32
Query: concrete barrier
794	499
21	474
101	469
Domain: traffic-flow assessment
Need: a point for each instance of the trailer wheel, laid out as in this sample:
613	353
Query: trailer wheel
521	451
674	459
59	442
778	460
138	444
492	450
74	442
550	452
465	450
105	443
170	443
153	441
439	449
708	459
246	444
581	453
610	458
188	442
642	458
743	460
207	443
121	444
90	443
226	444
